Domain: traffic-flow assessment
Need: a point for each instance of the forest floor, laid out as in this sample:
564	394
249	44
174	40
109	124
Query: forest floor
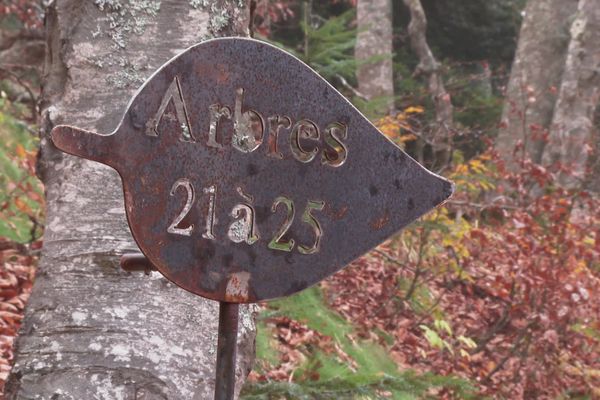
305	349
17	270
351	337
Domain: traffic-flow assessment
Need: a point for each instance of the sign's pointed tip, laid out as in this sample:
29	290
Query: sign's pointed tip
444	190
449	189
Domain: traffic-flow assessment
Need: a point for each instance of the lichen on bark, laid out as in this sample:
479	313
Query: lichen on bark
127	17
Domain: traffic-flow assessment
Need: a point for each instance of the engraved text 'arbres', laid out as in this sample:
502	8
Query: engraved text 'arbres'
249	128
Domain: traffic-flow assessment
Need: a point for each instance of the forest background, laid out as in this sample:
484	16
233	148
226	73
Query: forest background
493	295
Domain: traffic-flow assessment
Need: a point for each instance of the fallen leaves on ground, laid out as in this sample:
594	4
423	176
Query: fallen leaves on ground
17	270
294	339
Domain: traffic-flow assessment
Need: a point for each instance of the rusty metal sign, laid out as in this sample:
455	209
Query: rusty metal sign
248	177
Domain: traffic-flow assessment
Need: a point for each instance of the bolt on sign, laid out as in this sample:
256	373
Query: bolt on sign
248	177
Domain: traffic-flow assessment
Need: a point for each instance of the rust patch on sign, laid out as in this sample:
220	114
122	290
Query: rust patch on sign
337	214
237	287
379	223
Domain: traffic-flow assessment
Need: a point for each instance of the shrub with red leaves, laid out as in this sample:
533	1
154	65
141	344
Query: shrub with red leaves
28	12
499	286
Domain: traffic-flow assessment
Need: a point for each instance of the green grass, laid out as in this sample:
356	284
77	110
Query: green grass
266	352
17	185
376	375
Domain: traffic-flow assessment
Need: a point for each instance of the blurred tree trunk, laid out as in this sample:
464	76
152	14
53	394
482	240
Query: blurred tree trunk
593	182
534	80
92	331
573	122
374	42
428	66
21	57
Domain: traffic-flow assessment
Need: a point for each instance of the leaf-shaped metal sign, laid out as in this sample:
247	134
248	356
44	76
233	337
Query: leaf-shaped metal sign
248	177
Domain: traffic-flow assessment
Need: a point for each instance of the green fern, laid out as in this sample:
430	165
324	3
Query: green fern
376	375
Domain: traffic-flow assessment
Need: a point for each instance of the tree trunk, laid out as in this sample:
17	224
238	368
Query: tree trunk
374	40
593	181
92	331
535	76
21	57
572	125
428	66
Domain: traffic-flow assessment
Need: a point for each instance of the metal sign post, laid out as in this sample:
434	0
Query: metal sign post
248	177
226	350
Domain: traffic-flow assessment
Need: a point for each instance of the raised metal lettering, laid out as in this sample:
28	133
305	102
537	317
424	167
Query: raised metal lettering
248	126
276	122
175	94
216	113
243	229
308	218
276	243
183	182
337	152
210	217
308	130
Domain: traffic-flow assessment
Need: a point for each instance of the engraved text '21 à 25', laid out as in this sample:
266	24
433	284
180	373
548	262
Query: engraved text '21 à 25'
244	228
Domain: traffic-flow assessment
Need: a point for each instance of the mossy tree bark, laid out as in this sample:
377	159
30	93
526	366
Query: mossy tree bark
92	331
